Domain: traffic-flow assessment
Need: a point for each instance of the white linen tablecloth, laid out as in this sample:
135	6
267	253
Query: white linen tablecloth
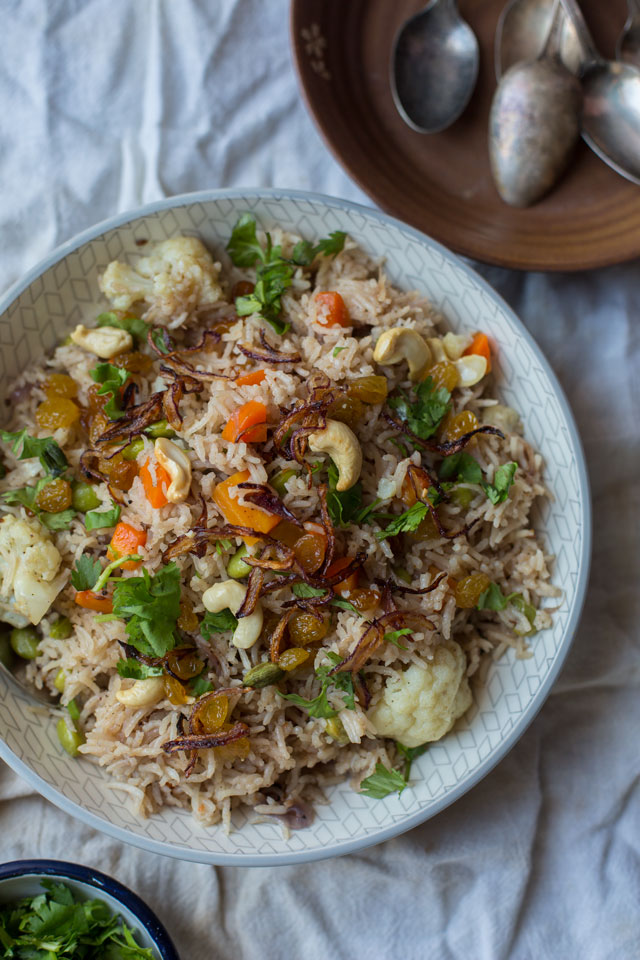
106	104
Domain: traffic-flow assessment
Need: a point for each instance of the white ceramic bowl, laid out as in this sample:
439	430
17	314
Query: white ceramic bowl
63	291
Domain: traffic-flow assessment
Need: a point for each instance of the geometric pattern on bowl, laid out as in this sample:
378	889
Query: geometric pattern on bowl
62	291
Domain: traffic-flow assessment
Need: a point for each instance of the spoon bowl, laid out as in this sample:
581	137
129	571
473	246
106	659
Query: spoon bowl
434	67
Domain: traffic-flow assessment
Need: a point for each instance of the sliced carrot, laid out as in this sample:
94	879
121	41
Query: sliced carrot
350	583
125	540
93	601
331	310
480	346
155	487
251	379
247	424
238	514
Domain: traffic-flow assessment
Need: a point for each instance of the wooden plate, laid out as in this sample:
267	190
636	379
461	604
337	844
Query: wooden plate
441	183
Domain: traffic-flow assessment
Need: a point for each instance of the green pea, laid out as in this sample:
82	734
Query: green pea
59	681
402	574
160	429
24	641
279	481
134	448
6	653
236	567
70	739
84	498
462	496
61	629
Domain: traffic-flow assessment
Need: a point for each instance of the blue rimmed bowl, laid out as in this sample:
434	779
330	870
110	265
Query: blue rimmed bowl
63	291
22	878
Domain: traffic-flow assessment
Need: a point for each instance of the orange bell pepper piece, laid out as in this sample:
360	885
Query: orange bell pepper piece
155	487
238	514
247	424
347	585
251	379
331	310
480	346
125	540
93	601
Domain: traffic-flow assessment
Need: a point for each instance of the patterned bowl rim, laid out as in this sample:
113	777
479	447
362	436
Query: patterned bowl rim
493	758
63	870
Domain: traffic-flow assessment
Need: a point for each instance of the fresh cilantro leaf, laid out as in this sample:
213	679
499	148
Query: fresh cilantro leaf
494	599
498	491
135	670
410	754
85	574
150	605
382	782
200	685
243	246
393	637
406	522
111	380
305	590
341	681
217	623
461	466
528	609
222	545
47	450
320	706
271	281
26	496
343	506
134	325
363	515
305	253
337	350
344	605
423	415
98	519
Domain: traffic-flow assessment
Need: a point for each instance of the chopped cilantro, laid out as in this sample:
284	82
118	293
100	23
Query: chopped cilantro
337	350
345	505
26	496
135	670
320	706
47	450
406	522
134	325
111	380
494	599
199	685
461	466
382	782
394	635
410	754
99	519
498	491
85	574
423	415
150	605
217	623
304	253
306	590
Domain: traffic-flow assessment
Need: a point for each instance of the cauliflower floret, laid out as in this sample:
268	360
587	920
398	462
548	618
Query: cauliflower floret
29	563
422	705
178	276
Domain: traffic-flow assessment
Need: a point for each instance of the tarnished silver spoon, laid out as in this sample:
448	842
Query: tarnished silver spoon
522	31
534	122
434	67
628	46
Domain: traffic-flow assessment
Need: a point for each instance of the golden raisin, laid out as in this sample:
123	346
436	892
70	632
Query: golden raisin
55	496
309	551
408	491
213	713
306	628
461	423
347	410
175	692
238	750
119	472
292	658
286	532
469	589
187	619
444	375
134	362
186	666
371	389
60	385
363	599
56	412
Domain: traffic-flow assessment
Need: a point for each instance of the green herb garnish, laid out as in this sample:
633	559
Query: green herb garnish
382	782
423	415
85	574
394	637
461	466
345	505
111	380
47	450
320	706
200	685
410	754
305	253
217	623
494	599
150	605
99	519
134	325
405	522
498	491
134	670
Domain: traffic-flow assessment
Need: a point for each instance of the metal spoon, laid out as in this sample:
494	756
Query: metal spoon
534	123
611	113
522	31
434	67
628	46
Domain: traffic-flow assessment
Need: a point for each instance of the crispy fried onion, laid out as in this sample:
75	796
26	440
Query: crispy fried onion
447	447
202	741
173	359
420	481
269	355
290	438
263	496
414	591
373	637
277	637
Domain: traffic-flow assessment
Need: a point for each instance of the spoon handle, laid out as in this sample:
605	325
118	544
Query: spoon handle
634	7
575	15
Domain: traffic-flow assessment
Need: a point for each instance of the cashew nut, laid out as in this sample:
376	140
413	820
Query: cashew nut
105	342
143	693
230	595
455	344
403	343
341	443
437	349
177	464
471	369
